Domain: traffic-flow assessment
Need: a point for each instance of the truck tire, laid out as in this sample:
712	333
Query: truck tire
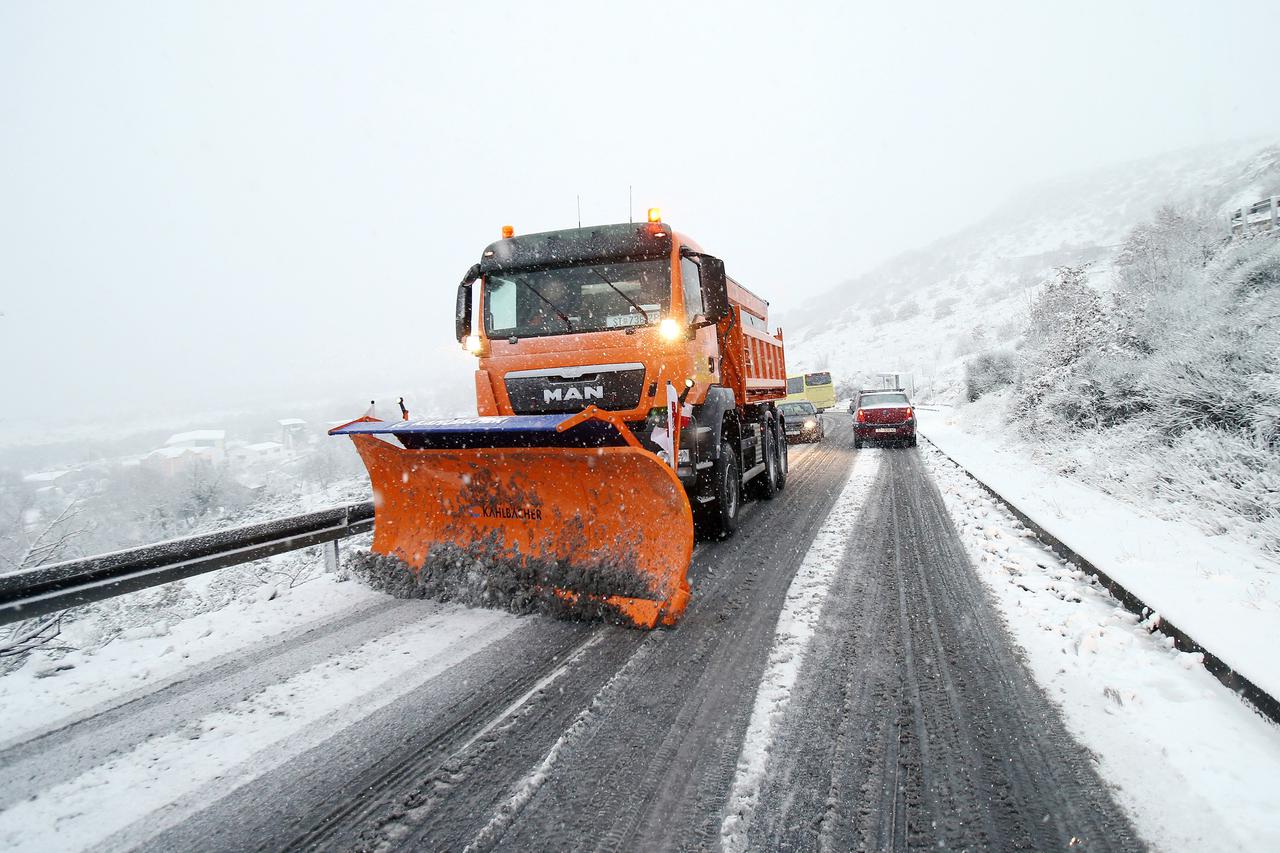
719	518
765	485
781	444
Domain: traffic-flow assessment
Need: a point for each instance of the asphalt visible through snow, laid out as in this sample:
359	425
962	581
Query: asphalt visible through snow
913	722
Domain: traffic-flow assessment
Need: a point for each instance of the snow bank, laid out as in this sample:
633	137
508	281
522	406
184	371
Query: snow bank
1195	767
1222	593
796	624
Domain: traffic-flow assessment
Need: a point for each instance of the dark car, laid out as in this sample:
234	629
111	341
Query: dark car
803	420
886	416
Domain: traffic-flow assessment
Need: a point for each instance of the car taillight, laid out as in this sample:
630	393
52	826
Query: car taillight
910	412
862	416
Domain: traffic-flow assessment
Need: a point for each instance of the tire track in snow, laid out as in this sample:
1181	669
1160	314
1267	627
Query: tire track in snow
524	790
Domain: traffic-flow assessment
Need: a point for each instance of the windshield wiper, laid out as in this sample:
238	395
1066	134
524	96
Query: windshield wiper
568	324
615	289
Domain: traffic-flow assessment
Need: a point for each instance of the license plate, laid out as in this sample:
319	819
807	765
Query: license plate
886	429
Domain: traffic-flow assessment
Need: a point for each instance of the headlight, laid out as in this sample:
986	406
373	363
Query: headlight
810	424
669	329
474	344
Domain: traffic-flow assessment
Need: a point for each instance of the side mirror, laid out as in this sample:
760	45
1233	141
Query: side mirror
715	288
462	311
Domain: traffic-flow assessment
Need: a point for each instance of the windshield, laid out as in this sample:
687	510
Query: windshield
795	384
795	410
583	298
823	378
882	400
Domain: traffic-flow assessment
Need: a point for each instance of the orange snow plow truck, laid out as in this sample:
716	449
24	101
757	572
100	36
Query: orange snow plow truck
625	393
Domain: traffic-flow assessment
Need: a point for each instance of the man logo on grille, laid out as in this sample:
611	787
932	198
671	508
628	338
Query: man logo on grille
587	392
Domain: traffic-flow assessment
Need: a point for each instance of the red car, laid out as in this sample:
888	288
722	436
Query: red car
883	416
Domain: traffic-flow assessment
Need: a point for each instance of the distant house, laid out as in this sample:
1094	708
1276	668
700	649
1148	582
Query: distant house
181	451
50	483
1260	216
45	478
262	450
293	433
206	441
171	461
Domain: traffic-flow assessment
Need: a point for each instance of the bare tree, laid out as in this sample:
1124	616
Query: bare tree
51	541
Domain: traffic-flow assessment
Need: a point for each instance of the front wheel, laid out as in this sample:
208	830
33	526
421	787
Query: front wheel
719	518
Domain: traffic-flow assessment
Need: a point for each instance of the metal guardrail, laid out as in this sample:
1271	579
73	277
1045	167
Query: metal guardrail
28	593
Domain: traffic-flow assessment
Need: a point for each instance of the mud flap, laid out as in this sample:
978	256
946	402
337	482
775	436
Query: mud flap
566	504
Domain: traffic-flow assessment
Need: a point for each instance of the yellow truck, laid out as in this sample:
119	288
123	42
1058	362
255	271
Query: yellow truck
817	388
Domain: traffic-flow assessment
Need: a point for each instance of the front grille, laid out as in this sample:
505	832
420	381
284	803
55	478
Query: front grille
616	390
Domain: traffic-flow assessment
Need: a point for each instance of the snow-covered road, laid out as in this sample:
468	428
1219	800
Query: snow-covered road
843	676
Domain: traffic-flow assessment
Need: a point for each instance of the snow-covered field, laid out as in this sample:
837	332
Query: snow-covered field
1195	766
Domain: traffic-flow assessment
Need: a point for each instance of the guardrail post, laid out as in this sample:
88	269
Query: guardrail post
330	555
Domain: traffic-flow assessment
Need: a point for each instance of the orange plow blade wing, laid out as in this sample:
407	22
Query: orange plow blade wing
607	525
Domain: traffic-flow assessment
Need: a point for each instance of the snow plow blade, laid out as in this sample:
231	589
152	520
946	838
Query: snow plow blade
571	507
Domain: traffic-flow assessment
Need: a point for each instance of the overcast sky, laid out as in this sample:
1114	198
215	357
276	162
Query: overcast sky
206	204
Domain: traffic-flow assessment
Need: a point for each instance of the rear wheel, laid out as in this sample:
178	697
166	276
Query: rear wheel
718	519
783	464
857	444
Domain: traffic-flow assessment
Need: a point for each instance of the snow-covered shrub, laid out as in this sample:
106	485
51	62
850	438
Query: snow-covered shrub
972	341
944	307
989	371
1010	329
1177	371
906	310
880	316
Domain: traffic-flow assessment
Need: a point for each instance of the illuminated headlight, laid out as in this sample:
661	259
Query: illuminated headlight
810	424
473	344
669	329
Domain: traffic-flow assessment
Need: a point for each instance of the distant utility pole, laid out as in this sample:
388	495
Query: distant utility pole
629	219
579	211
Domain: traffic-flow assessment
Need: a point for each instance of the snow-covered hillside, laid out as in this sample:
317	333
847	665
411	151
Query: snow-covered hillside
925	311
